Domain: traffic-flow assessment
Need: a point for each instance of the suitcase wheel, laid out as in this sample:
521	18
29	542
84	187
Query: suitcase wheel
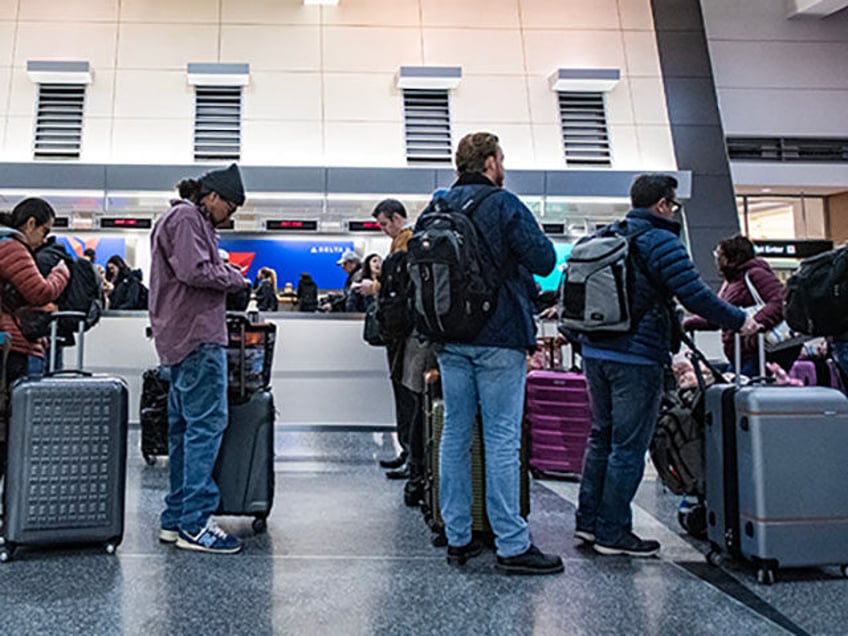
110	548
6	553
149	459
844	570
439	540
694	520
765	576
714	557
260	525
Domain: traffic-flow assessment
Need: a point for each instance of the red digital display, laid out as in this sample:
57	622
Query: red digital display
126	222
363	226
291	225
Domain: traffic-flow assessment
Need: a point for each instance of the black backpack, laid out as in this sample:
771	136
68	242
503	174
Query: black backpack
454	278
394	300
677	448
817	295
307	295
83	292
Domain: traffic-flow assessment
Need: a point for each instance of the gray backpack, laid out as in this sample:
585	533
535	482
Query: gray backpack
595	294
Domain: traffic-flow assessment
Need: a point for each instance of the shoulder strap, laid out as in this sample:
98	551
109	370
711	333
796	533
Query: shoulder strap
758	300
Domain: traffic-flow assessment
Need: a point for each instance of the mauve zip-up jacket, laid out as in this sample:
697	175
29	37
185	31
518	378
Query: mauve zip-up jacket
188	283
17	266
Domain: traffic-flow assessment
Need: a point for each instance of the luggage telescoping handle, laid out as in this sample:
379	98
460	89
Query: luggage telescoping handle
737	357
54	332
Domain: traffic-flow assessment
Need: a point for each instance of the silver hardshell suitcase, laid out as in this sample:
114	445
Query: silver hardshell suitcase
774	460
67	451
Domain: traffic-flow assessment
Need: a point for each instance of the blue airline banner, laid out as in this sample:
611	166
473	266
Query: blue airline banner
104	247
289	258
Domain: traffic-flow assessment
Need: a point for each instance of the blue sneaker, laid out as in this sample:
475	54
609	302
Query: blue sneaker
168	535
210	539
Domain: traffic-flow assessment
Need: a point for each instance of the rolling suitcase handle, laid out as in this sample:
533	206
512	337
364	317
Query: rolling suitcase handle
737	358
54	330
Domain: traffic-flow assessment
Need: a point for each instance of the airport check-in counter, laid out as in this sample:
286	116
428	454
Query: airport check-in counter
323	374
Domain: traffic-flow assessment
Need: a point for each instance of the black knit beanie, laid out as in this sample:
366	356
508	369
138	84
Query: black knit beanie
226	182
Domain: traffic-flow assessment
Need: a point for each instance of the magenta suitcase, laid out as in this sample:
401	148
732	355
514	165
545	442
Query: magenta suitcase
559	420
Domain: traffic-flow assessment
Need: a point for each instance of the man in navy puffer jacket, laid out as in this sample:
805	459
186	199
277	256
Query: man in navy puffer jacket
625	373
489	373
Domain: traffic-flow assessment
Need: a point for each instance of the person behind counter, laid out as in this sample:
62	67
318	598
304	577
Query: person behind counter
128	292
357	301
188	287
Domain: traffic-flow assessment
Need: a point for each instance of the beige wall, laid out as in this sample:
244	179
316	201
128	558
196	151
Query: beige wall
837	212
322	88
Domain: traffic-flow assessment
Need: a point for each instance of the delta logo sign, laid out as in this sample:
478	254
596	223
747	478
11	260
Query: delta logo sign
104	247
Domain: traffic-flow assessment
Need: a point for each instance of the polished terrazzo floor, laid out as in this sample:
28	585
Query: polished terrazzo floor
343	555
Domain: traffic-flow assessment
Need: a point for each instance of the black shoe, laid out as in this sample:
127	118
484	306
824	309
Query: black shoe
533	561
393	463
630	545
400	473
413	492
458	556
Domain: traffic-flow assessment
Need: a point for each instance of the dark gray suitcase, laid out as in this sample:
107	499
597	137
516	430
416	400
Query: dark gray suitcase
774	457
244	471
67	452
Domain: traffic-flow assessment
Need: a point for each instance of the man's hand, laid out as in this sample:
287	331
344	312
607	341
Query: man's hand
365	287
750	327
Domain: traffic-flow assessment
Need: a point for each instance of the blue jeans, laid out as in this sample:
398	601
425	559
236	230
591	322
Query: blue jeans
197	417
625	403
839	349
494	379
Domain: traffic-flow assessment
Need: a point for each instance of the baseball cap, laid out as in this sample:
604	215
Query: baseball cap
348	255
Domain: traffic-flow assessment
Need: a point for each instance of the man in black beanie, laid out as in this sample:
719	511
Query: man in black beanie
189	284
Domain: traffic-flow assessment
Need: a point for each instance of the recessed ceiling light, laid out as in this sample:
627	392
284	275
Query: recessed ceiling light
765	190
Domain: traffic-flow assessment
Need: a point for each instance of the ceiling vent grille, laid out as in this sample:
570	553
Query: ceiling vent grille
217	123
426	115
58	121
584	129
788	149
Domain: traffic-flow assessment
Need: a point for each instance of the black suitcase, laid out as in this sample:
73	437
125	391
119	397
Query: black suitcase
67	451
153	414
244	471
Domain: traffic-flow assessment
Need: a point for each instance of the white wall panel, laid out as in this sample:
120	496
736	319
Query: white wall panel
501	99
166	46
636	14
74	10
272	48
547	144
549	50
164	94
364	49
269	12
780	64
100	94
373	13
152	141
626	153
364	144
750	111
648	97
96	140
544	105
474	13
94	42
656	149
570	14
362	97
24	93
7	41
619	105
475	50
168	11
281	143
640	49
8	9
5	81
515	139
18	143
766	20
282	96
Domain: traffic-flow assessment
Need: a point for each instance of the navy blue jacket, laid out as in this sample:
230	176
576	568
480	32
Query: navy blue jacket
519	248
672	274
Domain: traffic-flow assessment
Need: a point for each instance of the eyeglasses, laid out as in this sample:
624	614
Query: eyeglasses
674	204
